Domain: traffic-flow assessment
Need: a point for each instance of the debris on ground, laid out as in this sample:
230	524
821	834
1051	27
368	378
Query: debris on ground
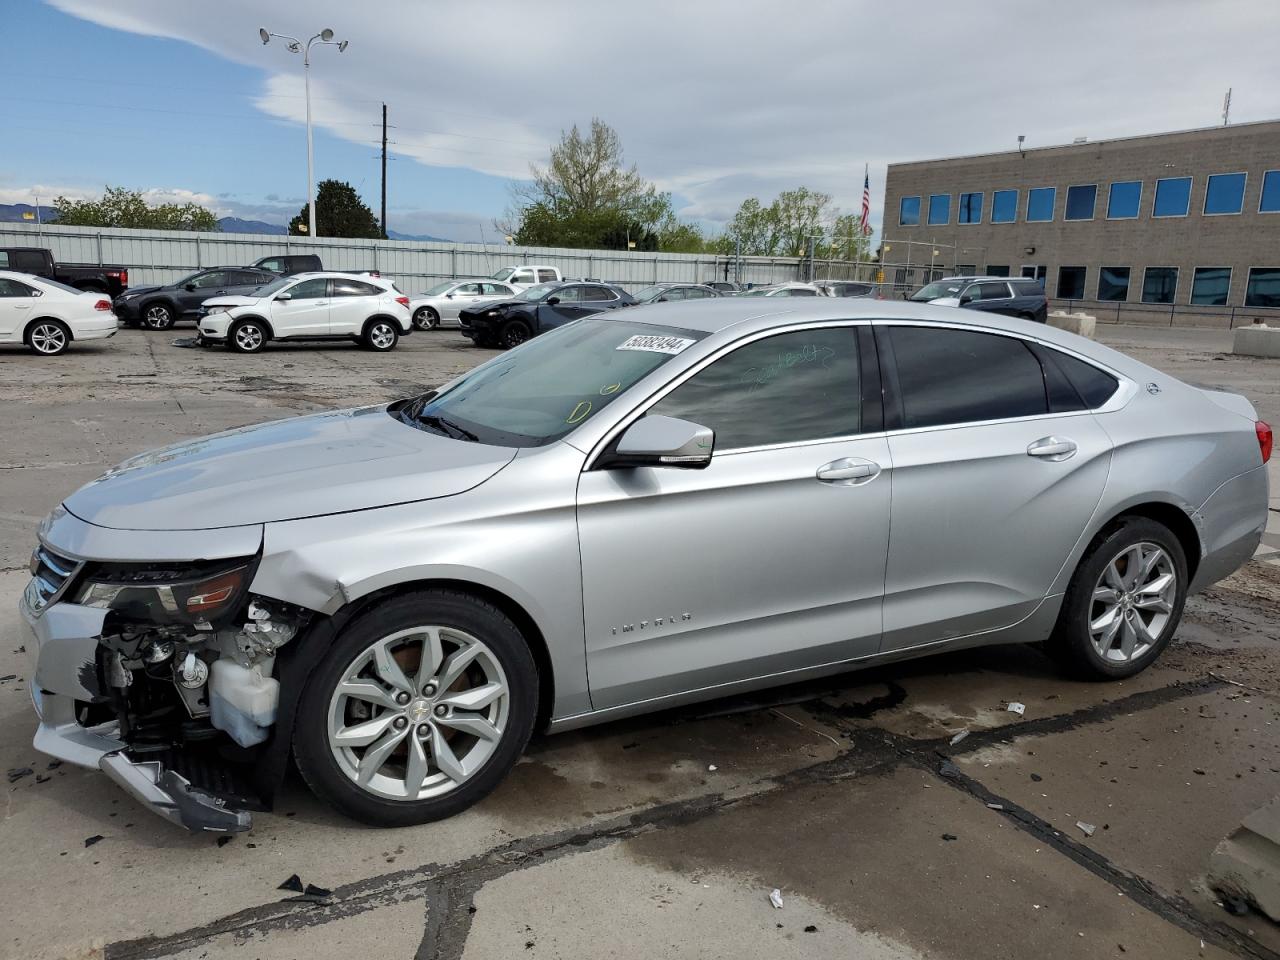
53	765
1036	778
1236	906
811	929
316	894
949	837
1246	865
959	736
995	806
90	841
712	768
950	771
43	778
1086	828
223	841
775	897
17	773
1016	707
294	884
7	677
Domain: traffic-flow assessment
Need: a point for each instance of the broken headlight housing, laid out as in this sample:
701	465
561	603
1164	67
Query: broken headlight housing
198	593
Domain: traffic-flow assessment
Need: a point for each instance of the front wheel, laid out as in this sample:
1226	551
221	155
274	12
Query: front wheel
420	709
381	335
1124	601
514	333
158	316
424	318
49	337
249	336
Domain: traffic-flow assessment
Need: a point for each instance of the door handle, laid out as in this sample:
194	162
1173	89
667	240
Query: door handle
1053	448
848	471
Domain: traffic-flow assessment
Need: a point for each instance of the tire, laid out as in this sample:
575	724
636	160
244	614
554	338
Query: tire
514	333
158	316
380	651
424	318
1145	618
248	336
381	335
48	337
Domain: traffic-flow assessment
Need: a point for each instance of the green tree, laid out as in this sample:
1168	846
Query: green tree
846	240
339	213
119	207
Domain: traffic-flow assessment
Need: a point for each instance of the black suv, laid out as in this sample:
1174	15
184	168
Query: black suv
159	308
289	264
1011	296
545	306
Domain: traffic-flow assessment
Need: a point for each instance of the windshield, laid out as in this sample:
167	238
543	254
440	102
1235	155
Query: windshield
439	288
650	293
502	274
550	385
536	292
273	287
935	291
189	278
757	292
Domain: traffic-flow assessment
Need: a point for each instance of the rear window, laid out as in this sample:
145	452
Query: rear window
1027	288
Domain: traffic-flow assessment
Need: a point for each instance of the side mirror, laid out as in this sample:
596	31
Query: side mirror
661	300
659	441
284	296
552	301
966	298
189	287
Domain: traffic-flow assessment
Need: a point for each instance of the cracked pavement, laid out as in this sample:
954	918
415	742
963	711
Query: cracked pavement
885	839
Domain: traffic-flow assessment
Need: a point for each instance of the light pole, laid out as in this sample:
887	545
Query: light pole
296	46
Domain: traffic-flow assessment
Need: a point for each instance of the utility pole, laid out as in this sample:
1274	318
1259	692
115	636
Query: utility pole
1226	108
384	169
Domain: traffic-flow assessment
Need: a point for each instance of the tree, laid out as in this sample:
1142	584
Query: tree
846	240
783	228
339	213
127	208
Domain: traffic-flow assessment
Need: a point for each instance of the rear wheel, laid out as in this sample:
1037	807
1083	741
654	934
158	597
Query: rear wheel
424	318
158	316
1124	601
48	337
420	708
248	336
381	335
514	333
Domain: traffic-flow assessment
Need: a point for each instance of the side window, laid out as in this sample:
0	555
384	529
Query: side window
992	291
1094	386
12	288
273	264
958	376
547	276
313	289
467	290
4	259
496	289
567	294
597	294
674	293
246	279
524	276
28	261
348	288
784	389
214	278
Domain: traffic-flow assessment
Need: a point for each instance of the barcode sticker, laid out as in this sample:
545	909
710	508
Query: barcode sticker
652	344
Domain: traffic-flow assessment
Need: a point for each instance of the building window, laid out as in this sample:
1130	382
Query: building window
1071	283
997	270
1159	284
909	212
1081	201
1210	286
1263	289
1004	206
1173	197
1124	200
1269	202
1040	203
966	269
970	208
1224	194
939	209
1113	284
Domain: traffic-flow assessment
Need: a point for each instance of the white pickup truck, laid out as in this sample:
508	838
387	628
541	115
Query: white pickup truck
526	275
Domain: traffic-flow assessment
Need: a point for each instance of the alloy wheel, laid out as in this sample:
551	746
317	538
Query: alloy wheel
248	337
425	319
158	318
514	335
48	338
1132	602
418	713
382	336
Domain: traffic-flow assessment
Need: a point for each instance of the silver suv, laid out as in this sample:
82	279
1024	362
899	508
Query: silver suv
622	515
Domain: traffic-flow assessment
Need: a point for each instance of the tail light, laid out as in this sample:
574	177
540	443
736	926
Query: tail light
403	301
103	305
1265	438
124	278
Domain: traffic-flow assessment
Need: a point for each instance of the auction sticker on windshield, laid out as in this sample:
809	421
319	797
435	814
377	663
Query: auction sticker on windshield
652	344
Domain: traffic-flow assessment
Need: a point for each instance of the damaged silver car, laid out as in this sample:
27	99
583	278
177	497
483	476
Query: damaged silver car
620	516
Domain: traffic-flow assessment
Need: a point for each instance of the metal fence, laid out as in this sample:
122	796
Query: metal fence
161	256
1169	314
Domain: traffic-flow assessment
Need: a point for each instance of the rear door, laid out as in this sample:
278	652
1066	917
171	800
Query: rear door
306	311
16	299
990	296
991	491
462	297
351	303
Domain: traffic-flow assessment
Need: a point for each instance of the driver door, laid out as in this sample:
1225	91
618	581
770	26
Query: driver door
305	313
204	286
460	298
568	307
772	559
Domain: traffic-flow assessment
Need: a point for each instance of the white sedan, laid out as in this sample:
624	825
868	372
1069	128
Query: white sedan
47	315
441	305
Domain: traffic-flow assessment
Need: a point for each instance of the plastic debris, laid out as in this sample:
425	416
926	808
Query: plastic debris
995	806
294	884
712	767
949	836
950	771
320	893
775	897
17	773
1016	707
811	929
959	736
90	841
1236	906
1086	828
1036	778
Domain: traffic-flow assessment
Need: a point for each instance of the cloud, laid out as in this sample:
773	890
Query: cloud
717	106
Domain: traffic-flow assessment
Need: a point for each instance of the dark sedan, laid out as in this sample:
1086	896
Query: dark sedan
159	308
545	306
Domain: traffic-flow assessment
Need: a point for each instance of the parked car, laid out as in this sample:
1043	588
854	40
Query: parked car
527	275
509	323
853	288
39	262
396	595
288	264
159	308
440	305
1011	296
790	289
47	315
723	287
664	292
310	306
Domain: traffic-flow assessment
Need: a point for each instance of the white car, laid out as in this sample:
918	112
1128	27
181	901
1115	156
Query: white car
47	315
792	289
439	306
310	306
527	274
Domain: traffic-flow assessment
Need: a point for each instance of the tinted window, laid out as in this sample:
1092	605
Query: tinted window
312	289
597	294
1040	204
12	288
1269	202
351	288
1173	197
1081	201
970	208
214	278
547	276
242	278
958	376
468	290
567	294
272	265
1124	200
784	389
4	259
1004	206
1094	386
673	293
1113	284
909	211
496	290
799	292
1071	283
1224	193
1210	286
1159	284
939	209
1027	288
990	291
1263	289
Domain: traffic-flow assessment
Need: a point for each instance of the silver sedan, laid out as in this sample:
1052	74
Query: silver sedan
624	514
439	306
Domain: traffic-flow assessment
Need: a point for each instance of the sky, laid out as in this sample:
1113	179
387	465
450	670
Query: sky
714	102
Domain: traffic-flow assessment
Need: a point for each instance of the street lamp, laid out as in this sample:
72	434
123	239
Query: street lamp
294	45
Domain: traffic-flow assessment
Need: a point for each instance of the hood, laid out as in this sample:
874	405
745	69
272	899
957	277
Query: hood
135	291
499	305
232	301
285	470
945	302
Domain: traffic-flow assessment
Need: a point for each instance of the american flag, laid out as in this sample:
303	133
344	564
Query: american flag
866	202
